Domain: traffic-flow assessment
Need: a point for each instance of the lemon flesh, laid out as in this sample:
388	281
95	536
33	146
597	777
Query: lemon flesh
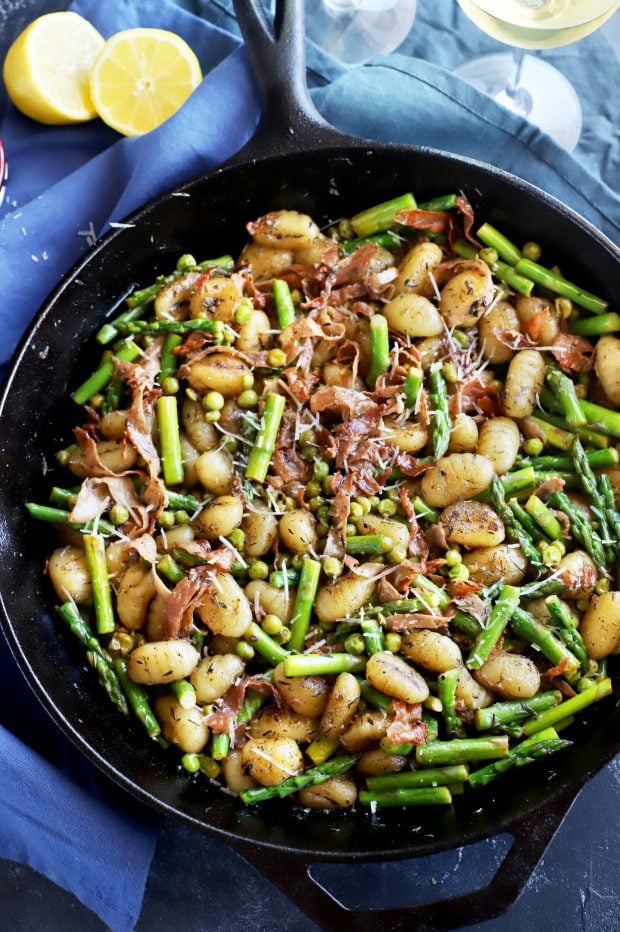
46	69
141	77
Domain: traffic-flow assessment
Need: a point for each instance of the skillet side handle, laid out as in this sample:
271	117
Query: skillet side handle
532	834
289	122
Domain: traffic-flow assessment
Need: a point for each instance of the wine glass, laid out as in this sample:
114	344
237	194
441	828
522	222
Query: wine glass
353	31
523	83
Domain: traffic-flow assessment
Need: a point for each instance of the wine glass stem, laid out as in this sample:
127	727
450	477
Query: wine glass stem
520	99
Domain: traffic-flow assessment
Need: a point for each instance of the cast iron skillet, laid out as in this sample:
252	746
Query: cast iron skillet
295	160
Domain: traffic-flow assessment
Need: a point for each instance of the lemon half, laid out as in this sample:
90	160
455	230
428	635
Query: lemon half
46	69
141	77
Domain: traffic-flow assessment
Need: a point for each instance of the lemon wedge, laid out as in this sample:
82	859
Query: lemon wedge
46	69
141	77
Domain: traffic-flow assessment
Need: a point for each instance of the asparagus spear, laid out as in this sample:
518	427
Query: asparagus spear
503	246
542	588
506	713
602	419
108	679
381	217
564	390
184	693
95	383
285	309
411	387
375	698
514	529
69	613
60	516
569	707
528	629
427	796
501	614
179	502
598	459
322	749
304	600
529	526
387	240
414	779
544	517
311	777
559	285
252	703
170	439
611	513
379	349
369	543
425	511
591	489
468	625
443	202
514	280
264	445
582	531
169	362
373	636
109	332
97	656
177	327
442	425
446	683
266	646
595	326
94	547
559	433
461	751
322	664
568	629
525	753
138	700
144	295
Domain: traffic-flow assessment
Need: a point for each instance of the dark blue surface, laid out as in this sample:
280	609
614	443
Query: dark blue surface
197	883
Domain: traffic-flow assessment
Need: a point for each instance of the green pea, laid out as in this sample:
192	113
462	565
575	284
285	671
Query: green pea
459	571
397	555
351	530
248	399
453	557
489	255
534	446
393	642
185	262
531	251
237	538
212	417
258	570
332	567
96	401
247	380
213	401
119	514
272	625
313	488
354	644
166	519
320	469
244	650
356	510
170	385
182	517
243	311
386	507
191	763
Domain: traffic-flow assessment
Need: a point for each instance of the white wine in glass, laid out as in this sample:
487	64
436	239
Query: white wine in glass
523	83
354	31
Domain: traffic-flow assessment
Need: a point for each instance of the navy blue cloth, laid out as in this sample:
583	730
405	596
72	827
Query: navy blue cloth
67	184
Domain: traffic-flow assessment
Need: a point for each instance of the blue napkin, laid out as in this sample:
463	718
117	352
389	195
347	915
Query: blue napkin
66	184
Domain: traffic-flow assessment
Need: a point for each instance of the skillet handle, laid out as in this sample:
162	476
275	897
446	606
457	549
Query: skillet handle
289	122
290	872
